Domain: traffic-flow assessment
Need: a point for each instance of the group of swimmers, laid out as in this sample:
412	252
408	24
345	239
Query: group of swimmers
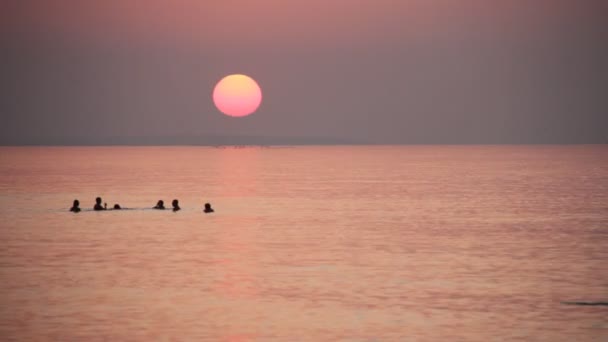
160	205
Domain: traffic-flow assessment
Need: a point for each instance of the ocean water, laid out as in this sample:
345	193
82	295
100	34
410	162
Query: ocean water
377	243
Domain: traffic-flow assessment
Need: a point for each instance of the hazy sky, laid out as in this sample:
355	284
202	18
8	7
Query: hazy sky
363	71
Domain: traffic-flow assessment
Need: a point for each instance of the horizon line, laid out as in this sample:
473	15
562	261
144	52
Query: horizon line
304	144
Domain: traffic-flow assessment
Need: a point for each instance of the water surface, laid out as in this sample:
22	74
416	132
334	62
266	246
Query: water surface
420	243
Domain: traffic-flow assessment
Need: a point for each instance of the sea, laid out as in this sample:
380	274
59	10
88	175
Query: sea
307	243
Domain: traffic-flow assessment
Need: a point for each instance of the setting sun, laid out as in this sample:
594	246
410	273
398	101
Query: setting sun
237	95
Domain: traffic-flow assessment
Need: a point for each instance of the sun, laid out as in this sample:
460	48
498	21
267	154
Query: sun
237	95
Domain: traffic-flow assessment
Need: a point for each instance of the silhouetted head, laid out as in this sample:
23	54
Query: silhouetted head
208	208
97	205
160	205
175	205
75	207
117	206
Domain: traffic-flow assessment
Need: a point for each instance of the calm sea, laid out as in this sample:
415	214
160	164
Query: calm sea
419	243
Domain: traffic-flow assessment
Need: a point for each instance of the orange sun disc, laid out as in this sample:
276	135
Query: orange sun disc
237	95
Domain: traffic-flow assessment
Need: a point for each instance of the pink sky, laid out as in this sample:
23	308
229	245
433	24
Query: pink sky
288	22
438	71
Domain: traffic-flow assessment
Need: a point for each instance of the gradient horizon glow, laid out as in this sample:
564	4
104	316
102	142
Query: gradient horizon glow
237	95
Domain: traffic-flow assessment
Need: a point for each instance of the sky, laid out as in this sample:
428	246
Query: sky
331	71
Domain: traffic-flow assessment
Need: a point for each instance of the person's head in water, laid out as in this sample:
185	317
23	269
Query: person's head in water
117	206
208	208
160	205
98	204
175	205
75	206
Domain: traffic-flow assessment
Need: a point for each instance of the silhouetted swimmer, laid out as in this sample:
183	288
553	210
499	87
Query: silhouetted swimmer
75	207
175	205
160	205
208	208
117	206
98	204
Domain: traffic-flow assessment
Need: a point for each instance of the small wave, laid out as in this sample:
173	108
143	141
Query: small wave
585	303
